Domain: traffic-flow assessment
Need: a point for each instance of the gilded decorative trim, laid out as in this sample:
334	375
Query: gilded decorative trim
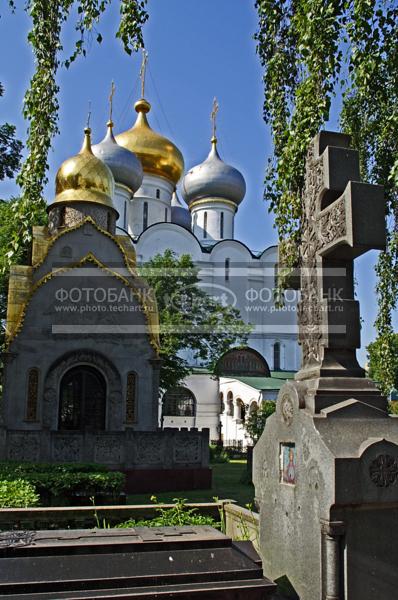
152	326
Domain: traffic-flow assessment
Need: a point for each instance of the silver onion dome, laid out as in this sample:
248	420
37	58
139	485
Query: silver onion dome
125	166
213	179
180	215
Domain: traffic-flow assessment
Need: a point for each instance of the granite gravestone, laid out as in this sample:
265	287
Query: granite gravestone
326	467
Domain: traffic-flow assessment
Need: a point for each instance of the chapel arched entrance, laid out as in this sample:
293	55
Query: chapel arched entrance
82	400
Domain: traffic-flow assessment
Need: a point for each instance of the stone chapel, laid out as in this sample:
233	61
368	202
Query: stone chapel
82	361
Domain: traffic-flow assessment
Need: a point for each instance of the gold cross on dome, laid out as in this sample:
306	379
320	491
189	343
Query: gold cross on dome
111	100
213	116
143	71
88	116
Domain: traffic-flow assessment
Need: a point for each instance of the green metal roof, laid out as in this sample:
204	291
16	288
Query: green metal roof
267	383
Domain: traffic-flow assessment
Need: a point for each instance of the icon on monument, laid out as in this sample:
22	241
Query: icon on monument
288	457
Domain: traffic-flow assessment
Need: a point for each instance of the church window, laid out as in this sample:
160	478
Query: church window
157	193
179	402
205	225
145	216
32	394
195	222
82	403
230	404
125	215
222	405
226	276
240	411
165	214
221	225
277	356
131	398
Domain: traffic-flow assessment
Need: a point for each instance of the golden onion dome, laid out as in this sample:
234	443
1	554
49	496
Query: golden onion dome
84	178
158	155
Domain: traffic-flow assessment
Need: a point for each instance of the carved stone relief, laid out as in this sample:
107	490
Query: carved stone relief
108	449
67	448
187	449
383	470
23	446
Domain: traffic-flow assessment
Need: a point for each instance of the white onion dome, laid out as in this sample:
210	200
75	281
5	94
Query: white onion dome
124	164
180	215
213	179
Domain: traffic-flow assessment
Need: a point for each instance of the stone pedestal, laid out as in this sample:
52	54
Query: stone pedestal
329	522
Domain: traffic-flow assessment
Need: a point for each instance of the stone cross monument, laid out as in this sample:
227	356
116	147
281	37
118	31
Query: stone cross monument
326	467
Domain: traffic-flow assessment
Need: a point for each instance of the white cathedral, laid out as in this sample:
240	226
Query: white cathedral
147	169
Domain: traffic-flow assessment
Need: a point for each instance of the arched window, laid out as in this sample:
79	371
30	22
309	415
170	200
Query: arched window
125	215
157	193
241	410
32	394
195	221
82	402
230	404
131	398
205	225
179	402
145	216
165	215
277	356
253	407
221	225
226	273
222	405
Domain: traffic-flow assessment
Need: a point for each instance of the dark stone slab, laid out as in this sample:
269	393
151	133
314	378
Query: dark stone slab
167	562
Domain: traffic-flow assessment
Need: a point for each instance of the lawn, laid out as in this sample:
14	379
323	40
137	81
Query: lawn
227	483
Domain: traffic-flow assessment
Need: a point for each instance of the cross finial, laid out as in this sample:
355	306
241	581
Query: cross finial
88	116
213	117
143	71
111	101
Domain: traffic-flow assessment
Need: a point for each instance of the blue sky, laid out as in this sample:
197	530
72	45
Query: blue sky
197	50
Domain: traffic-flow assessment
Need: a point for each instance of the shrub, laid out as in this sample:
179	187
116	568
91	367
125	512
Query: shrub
17	494
218	454
177	515
58	482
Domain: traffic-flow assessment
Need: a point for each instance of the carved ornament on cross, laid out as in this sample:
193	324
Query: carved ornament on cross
343	218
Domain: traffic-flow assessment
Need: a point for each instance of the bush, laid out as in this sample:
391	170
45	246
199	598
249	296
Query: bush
175	516
60	482
17	494
218	454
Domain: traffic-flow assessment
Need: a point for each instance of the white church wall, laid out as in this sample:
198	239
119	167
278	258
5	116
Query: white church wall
151	204
121	202
205	388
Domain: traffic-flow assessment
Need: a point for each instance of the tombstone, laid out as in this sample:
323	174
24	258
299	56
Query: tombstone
326	467
140	562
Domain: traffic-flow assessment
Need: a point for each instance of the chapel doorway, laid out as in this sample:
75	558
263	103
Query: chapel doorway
82	400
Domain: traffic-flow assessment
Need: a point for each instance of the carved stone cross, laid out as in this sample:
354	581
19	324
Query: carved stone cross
343	218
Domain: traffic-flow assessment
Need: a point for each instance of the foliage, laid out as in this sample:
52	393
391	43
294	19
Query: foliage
377	364
256	420
176	516
54	481
393	408
41	103
190	319
17	494
311	50
10	149
218	454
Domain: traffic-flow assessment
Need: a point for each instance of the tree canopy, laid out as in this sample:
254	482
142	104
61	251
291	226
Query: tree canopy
377	366
190	319
313	51
10	149
257	419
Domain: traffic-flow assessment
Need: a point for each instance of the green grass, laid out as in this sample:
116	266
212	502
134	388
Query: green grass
226	484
